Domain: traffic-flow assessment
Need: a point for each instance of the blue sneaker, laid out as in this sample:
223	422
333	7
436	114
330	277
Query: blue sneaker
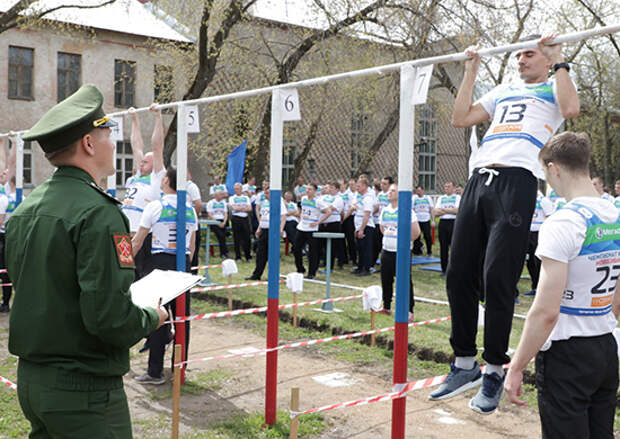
487	399
458	381
530	293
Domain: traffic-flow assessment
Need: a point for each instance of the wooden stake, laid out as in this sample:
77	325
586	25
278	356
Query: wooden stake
295	311
176	393
230	293
294	408
372	327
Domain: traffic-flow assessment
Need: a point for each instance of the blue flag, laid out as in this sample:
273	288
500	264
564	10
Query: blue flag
236	166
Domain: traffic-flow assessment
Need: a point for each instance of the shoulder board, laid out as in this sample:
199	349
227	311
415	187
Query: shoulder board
104	193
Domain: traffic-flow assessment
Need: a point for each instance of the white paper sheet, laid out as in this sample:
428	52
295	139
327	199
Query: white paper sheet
164	284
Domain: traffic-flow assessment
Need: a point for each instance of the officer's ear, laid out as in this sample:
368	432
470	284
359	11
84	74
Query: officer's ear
87	144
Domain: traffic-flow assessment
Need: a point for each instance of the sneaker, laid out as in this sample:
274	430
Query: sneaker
530	293
363	273
458	381
4	307
487	399
411	319
147	379
387	312
252	278
145	347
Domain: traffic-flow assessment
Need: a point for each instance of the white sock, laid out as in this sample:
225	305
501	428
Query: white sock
497	368
465	362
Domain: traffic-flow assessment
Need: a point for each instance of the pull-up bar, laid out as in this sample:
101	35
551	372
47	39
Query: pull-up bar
492	51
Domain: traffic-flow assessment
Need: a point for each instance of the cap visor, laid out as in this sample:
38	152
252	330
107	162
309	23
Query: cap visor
109	124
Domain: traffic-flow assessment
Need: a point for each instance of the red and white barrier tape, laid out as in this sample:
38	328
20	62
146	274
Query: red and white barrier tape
6	285
9	383
200	267
215	315
414	385
228	287
310	342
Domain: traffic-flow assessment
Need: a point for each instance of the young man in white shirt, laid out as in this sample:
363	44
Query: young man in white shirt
446	209
262	234
381	201
217	186
240	207
423	207
348	225
159	217
570	325
332	205
491	230
599	185
388	221
308	224
217	209
193	195
145	185
364	226
292	218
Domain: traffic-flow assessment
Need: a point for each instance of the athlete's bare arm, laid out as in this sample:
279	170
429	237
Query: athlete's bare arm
464	113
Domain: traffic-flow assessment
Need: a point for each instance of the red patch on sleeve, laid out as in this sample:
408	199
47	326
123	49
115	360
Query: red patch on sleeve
122	244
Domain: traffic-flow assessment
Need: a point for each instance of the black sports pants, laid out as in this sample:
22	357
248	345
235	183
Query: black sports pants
425	228
388	274
490	238
241	236
577	380
348	228
338	250
446	228
290	227
301	238
220	234
364	249
4	277
262	248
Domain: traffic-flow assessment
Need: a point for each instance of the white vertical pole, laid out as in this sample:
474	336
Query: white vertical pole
19	169
112	178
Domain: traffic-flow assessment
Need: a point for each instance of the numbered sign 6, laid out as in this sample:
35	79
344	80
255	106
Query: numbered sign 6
193	119
290	104
117	131
422	81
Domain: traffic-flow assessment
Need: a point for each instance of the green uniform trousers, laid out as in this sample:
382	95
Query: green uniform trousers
67	405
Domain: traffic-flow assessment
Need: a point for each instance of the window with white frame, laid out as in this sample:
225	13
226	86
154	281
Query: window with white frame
28	163
124	163
427	147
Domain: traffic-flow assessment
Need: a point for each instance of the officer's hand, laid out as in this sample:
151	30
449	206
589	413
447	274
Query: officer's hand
163	315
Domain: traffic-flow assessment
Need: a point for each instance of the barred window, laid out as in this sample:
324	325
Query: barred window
124	83
69	74
124	163
427	151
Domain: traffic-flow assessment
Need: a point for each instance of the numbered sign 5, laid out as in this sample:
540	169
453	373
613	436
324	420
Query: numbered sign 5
117	131
290	104
422	81
193	120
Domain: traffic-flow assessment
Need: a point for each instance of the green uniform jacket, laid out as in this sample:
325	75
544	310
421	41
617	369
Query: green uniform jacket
64	254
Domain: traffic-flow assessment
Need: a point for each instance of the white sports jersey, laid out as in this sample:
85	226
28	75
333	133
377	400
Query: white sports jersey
264	213
388	218
217	209
291	207
544	208
336	202
239	201
382	201
606	196
217	188
422	207
141	190
448	202
524	117
193	192
617	203
310	213
160	217
364	203
248	188
585	234
7	206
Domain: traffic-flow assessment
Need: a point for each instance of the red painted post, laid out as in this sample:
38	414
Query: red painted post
179	331
401	342
271	382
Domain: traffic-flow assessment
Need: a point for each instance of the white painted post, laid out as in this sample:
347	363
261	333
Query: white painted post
19	169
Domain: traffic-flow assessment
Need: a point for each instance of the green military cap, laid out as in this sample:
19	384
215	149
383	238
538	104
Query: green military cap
70	119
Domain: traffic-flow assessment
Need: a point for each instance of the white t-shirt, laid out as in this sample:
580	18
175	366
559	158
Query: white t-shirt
310	213
544	208
141	190
381	201
239	201
248	188
617	203
388	218
263	221
448	202
291	208
218	188
364	203
524	117
588	240
606	196
217	209
160	217
422	207
334	201
4	204
193	191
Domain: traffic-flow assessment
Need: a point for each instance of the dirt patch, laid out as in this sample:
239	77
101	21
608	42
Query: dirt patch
244	392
